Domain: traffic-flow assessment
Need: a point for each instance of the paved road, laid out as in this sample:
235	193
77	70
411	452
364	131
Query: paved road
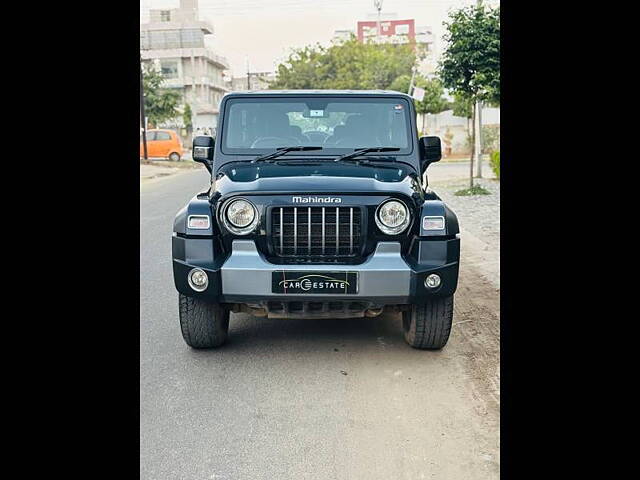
273	403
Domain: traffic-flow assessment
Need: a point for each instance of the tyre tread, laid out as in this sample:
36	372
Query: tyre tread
432	322
203	324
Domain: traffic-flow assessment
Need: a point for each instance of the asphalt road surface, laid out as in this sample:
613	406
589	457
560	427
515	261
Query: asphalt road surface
310	399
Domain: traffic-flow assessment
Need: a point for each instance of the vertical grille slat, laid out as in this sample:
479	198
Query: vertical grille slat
337	230
295	230
326	232
351	230
281	233
309	229
323	227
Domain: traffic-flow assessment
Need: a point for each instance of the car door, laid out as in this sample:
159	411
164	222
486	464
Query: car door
150	141
163	143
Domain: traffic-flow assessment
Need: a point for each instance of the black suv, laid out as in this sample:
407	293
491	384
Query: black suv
318	207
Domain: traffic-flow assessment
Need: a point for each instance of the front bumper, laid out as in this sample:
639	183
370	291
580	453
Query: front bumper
385	278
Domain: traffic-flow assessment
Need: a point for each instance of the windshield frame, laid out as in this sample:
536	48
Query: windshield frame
411	158
293	98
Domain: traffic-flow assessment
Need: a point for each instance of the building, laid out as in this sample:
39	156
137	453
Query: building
257	81
396	31
174	40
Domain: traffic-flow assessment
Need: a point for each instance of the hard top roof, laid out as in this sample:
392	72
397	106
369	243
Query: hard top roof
390	93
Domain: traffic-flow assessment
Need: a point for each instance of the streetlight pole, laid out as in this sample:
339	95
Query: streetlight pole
478	127
142	116
378	5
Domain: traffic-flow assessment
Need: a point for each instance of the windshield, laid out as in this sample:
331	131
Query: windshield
254	126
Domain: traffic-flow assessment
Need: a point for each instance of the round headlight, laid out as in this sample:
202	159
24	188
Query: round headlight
240	216
392	217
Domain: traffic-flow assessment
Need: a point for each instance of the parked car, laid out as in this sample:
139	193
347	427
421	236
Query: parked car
162	144
306	226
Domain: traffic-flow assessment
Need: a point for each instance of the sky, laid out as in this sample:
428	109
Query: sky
264	31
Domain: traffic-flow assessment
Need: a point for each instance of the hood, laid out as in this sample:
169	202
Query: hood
321	177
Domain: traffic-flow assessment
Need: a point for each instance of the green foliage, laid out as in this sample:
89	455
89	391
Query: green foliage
471	61
160	104
187	117
462	106
474	190
490	138
348	65
494	161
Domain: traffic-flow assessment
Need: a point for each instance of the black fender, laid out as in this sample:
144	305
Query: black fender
436	250
198	205
437	208
197	248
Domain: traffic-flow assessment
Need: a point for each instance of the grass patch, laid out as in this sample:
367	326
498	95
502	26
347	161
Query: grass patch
475	190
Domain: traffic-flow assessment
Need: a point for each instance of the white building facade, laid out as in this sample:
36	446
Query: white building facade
174	41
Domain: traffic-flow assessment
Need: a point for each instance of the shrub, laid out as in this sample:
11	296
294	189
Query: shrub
475	190
494	160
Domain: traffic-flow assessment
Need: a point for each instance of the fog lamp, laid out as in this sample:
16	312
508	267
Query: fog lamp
432	281
198	280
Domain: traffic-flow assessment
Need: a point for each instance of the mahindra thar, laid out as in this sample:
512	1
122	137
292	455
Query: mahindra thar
318	206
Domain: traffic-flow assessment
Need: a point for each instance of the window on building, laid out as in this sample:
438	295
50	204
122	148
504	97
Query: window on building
172	38
144	40
192	38
156	39
169	68
165	16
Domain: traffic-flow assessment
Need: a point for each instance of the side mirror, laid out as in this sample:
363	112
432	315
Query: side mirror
431	150
203	150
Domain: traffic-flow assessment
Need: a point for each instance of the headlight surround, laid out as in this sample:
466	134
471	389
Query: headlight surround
392	217
240	216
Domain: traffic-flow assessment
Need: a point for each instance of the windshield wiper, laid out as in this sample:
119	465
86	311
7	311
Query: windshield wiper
282	150
362	151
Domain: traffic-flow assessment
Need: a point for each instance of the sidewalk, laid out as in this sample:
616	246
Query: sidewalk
163	168
147	172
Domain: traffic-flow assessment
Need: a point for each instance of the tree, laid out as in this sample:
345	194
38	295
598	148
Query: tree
470	66
160	104
348	65
462	106
433	101
187	117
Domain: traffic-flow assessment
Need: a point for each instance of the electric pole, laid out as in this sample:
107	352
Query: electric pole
478	128
248	75
378	5
413	76
142	116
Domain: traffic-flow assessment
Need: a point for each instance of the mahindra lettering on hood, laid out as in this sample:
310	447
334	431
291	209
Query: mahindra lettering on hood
318	208
316	200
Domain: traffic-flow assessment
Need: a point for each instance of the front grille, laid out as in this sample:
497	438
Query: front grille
316	231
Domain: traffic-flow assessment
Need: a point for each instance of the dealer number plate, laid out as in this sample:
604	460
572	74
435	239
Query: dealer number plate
331	283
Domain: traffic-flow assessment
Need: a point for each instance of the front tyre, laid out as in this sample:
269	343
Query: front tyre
174	157
428	326
203	324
